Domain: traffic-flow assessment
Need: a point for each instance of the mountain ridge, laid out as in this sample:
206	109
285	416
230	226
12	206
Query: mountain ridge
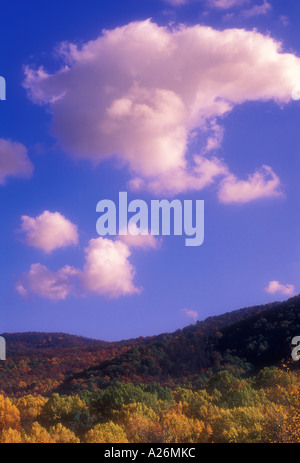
248	338
13	336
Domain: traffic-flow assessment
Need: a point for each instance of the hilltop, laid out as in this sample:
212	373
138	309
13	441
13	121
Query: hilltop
247	339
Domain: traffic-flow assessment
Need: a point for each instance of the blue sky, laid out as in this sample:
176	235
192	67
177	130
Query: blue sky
194	103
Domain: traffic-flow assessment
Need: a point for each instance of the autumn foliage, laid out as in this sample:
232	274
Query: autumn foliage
260	408
227	379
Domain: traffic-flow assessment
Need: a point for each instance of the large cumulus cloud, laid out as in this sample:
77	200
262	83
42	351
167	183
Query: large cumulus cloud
143	92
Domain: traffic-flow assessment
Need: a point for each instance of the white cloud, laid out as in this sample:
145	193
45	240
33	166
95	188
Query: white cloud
45	283
14	161
263	183
141	239
107	271
214	138
226	4
258	10
255	10
142	92
219	4
191	314
49	231
284	20
174	181
276	287
176	2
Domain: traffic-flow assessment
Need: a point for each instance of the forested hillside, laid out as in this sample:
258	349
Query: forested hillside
229	378
250	338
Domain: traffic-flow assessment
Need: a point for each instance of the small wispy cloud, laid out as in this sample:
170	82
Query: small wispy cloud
255	10
176	2
264	183
276	287
226	4
284	20
218	4
190	313
258	10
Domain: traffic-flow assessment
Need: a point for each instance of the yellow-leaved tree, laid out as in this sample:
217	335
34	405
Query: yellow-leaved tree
109	433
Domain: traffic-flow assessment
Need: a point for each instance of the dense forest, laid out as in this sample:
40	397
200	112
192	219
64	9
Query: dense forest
229	378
